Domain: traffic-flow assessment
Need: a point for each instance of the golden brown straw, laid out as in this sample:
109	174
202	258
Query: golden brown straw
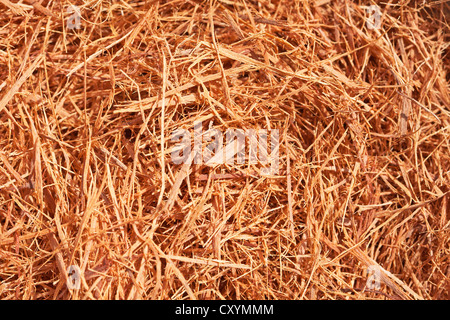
87	177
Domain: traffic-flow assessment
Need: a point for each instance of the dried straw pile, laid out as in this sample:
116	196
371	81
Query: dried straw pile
87	179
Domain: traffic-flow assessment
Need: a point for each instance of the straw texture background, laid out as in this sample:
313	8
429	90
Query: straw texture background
86	176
